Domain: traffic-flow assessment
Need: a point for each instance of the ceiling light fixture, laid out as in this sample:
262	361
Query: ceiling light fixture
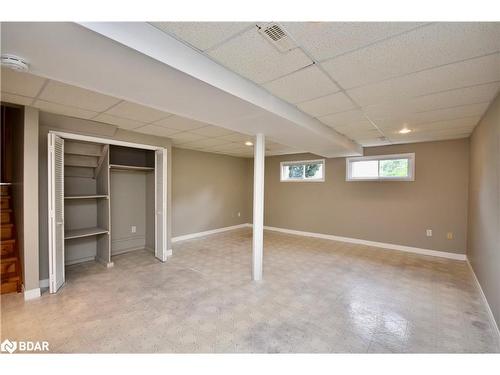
14	62
248	143
404	131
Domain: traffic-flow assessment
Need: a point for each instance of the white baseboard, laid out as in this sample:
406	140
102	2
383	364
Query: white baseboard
483	296
408	249
207	233
32	294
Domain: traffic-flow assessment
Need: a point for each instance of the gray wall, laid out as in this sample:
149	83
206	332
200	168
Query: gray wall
129	197
208	191
68	124
390	212
484	205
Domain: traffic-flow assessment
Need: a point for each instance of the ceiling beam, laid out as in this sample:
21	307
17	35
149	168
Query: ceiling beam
139	63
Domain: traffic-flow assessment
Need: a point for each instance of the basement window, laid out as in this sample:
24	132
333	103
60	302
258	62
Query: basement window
397	167
303	171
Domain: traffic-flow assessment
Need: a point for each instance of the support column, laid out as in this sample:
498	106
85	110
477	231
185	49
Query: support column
258	207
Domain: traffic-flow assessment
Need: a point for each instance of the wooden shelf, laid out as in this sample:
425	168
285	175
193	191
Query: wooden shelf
86	232
95	196
130	167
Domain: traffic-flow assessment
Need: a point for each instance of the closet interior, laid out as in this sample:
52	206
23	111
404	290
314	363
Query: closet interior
104	200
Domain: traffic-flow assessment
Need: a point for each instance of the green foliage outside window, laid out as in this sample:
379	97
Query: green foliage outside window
393	168
295	171
303	170
311	170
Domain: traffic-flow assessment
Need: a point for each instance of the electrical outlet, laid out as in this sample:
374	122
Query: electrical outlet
239	214
449	235
428	232
133	229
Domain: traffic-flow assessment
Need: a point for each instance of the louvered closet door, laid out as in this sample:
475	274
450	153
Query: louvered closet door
161	205
56	212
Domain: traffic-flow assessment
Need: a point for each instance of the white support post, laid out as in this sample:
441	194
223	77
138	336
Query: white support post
258	207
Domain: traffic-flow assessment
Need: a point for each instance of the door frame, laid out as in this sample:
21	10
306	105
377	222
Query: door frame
109	141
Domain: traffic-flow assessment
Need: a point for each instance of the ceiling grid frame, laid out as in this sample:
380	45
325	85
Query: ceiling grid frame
342	89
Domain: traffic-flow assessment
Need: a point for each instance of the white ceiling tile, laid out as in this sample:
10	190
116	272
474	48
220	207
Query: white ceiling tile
227	146
185	137
118	121
431	137
346	118
359	132
15	99
18	83
326	105
413	119
137	112
180	123
448	77
256	59
203	35
352	130
305	84
63	109
327	39
238	137
465	122
373	142
156	130
204	143
423	48
445	99
58	92
212	131
435	129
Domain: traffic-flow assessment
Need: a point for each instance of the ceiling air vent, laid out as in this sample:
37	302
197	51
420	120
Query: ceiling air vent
275	35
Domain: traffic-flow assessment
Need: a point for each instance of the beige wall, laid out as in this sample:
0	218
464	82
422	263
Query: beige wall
389	212
68	124
484	205
30	199
208	191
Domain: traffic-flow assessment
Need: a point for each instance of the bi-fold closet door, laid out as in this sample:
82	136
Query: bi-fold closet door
56	211
102	233
161	205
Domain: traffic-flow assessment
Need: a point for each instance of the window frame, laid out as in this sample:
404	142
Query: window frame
411	167
292	162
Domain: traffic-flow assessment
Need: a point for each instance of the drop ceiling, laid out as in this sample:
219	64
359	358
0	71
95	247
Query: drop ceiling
143	66
60	98
366	80
210	86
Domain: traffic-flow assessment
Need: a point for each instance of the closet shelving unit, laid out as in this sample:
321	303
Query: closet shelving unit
86	203
79	196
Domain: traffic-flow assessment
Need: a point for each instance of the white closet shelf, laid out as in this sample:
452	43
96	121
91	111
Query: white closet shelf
86	232
94	196
130	167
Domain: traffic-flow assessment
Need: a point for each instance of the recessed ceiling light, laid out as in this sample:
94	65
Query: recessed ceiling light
404	131
248	143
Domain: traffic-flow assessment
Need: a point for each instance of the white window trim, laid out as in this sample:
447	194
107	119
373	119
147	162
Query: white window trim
411	167
285	163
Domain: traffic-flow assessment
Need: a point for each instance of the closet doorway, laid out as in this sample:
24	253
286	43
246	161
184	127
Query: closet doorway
105	198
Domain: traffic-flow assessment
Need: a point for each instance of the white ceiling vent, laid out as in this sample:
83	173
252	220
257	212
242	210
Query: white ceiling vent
277	36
